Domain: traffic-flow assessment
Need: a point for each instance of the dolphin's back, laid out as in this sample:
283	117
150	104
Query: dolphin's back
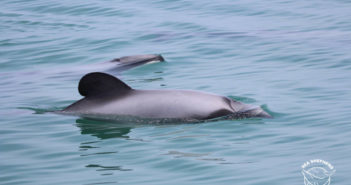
180	104
161	104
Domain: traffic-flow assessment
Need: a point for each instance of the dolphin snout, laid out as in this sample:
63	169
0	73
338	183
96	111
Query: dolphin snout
249	110
264	114
259	112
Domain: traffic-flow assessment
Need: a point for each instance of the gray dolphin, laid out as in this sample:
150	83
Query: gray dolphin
122	64
127	62
105	96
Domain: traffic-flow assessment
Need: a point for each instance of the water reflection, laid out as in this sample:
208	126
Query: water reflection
103	129
95	149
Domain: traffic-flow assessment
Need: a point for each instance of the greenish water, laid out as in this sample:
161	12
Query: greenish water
292	57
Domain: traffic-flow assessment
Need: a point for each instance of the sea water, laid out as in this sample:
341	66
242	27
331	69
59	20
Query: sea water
291	57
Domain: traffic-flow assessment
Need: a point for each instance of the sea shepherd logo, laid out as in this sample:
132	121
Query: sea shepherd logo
317	172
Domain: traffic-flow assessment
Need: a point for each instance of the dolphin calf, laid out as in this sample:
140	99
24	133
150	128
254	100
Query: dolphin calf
107	97
122	64
127	62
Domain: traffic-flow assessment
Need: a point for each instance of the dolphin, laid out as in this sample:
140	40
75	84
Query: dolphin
127	62
107	97
121	64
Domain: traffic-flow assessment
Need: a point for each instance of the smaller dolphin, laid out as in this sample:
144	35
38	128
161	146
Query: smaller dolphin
114	66
127	62
105	96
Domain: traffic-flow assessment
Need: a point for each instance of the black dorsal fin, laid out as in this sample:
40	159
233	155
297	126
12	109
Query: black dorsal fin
97	83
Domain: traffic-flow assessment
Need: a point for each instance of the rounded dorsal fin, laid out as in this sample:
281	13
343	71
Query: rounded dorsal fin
97	83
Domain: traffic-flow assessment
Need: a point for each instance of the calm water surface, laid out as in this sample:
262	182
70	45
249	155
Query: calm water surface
291	57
